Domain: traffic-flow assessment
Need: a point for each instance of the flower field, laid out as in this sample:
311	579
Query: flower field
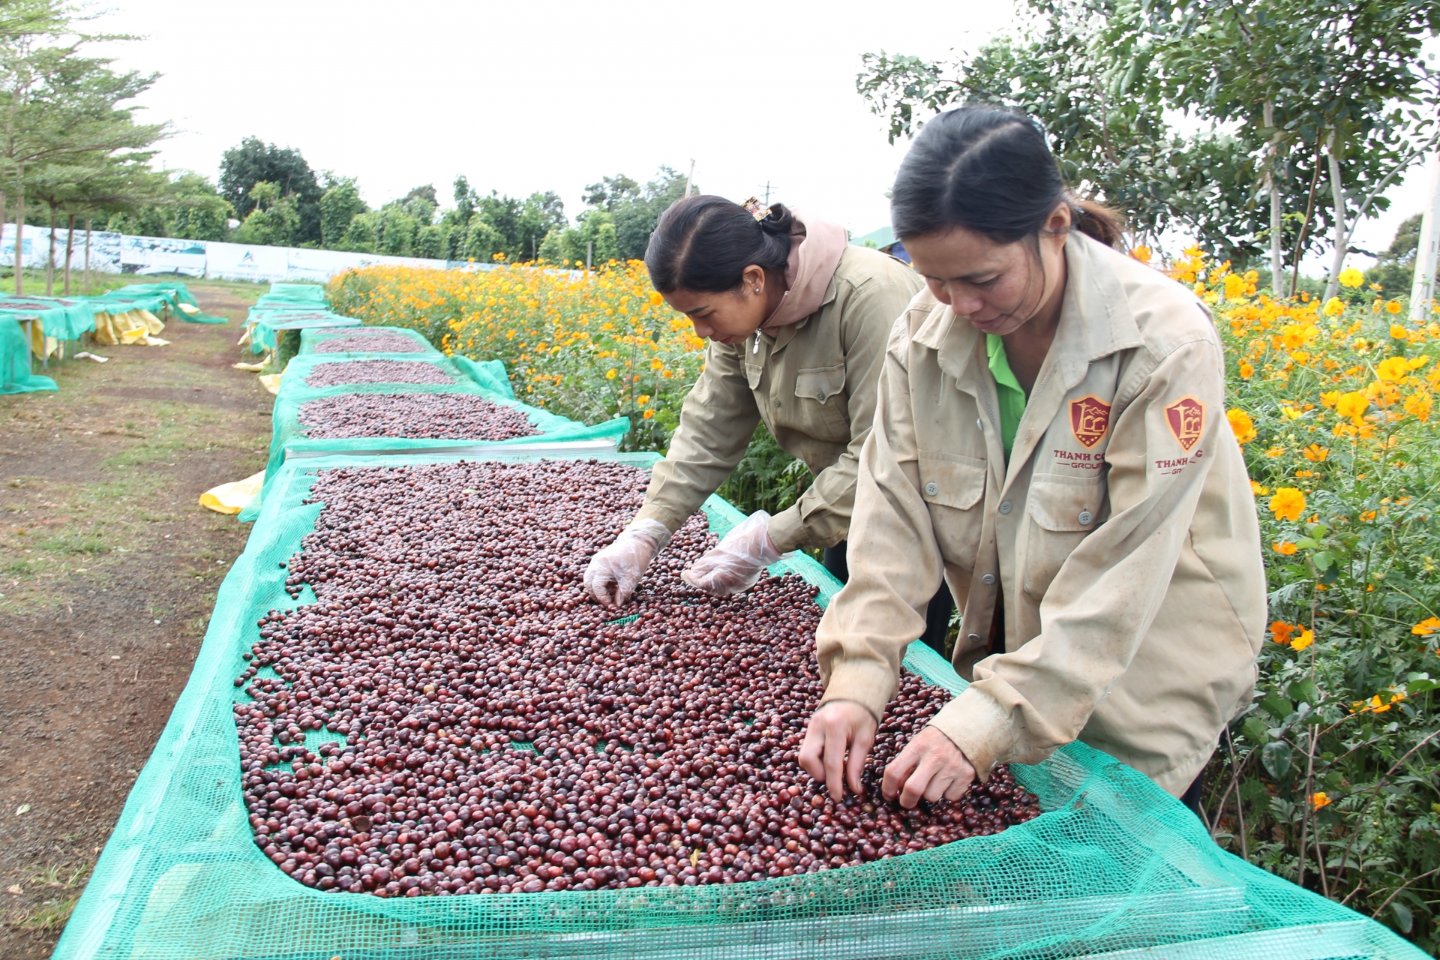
1330	779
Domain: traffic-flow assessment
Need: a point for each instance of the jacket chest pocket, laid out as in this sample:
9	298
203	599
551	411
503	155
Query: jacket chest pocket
954	493
818	407
1062	512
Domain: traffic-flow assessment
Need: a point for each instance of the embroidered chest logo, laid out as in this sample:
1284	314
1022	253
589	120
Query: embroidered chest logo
1186	419
1089	419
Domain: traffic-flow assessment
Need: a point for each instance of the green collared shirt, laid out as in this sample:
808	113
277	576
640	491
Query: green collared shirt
1007	388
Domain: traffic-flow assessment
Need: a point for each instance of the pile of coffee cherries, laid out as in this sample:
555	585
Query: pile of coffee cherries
452	714
340	372
448	416
371	341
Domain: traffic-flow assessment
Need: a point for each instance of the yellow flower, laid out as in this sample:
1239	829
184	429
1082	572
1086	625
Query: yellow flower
1247	370
643	399
1427	627
611	374
1284	548
1287	503
1419	404
1319	800
1141	253
1333	307
1315	453
1275	452
1394	306
1235	286
1241	424
648	414
1392	369
1398	332
1352	405
1306	638
1350	277
1258	489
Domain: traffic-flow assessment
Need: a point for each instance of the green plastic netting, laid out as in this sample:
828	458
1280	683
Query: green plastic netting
157	297
483	379
264	320
16	367
1113	868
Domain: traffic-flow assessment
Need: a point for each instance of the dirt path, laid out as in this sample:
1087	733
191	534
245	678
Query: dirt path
108	574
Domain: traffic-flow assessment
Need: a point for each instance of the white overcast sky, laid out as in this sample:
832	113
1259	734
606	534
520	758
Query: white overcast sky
553	95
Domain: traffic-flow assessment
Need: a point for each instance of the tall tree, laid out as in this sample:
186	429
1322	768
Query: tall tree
1292	97
339	205
243	166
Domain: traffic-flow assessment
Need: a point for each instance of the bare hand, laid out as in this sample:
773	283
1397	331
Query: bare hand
931	766
837	743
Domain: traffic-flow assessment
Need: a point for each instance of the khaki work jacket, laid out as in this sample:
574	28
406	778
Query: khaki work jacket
813	385
1122	534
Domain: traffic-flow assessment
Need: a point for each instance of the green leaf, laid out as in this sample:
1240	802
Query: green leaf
1404	919
1275	757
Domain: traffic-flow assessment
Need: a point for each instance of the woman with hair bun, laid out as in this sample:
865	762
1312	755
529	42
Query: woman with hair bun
797	321
1050	434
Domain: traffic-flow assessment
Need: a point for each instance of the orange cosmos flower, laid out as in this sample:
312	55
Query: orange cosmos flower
1287	503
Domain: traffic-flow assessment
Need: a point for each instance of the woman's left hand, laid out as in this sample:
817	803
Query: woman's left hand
931	767
735	564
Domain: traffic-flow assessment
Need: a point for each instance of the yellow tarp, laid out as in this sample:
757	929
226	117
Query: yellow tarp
231	498
131	327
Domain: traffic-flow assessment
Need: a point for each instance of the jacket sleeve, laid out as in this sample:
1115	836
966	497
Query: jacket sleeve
1098	608
716	422
895	561
821	516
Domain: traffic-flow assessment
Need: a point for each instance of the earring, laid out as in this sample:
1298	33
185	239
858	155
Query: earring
757	290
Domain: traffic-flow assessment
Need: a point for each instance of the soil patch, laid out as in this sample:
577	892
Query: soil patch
108	574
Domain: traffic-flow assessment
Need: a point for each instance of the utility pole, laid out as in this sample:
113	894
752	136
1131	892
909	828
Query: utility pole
1422	289
689	176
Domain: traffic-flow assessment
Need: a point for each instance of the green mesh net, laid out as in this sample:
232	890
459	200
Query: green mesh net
16	367
481	379
1112	868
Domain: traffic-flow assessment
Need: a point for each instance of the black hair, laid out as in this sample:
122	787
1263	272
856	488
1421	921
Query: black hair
704	243
989	170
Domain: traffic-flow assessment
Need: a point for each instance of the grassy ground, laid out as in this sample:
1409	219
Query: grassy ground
108	573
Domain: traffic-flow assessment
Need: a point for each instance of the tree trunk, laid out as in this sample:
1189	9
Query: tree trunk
1422	287
1342	229
1277	262
88	221
19	244
2	220
50	260
69	249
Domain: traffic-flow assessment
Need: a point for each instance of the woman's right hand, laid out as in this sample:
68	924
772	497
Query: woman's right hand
615	571
837	743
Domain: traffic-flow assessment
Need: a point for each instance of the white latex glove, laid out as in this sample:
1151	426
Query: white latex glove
615	571
737	561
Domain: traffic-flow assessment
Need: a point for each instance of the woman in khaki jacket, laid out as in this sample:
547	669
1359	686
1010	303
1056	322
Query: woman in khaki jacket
797	321
1051	436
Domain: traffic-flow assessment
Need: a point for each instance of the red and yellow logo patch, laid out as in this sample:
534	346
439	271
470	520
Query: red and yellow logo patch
1186	419
1089	419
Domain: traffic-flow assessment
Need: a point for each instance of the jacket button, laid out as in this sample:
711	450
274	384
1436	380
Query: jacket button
931	489
1085	518
1005	507
988	579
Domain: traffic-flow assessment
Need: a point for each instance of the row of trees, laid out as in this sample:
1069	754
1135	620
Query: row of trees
1263	129
278	200
68	145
